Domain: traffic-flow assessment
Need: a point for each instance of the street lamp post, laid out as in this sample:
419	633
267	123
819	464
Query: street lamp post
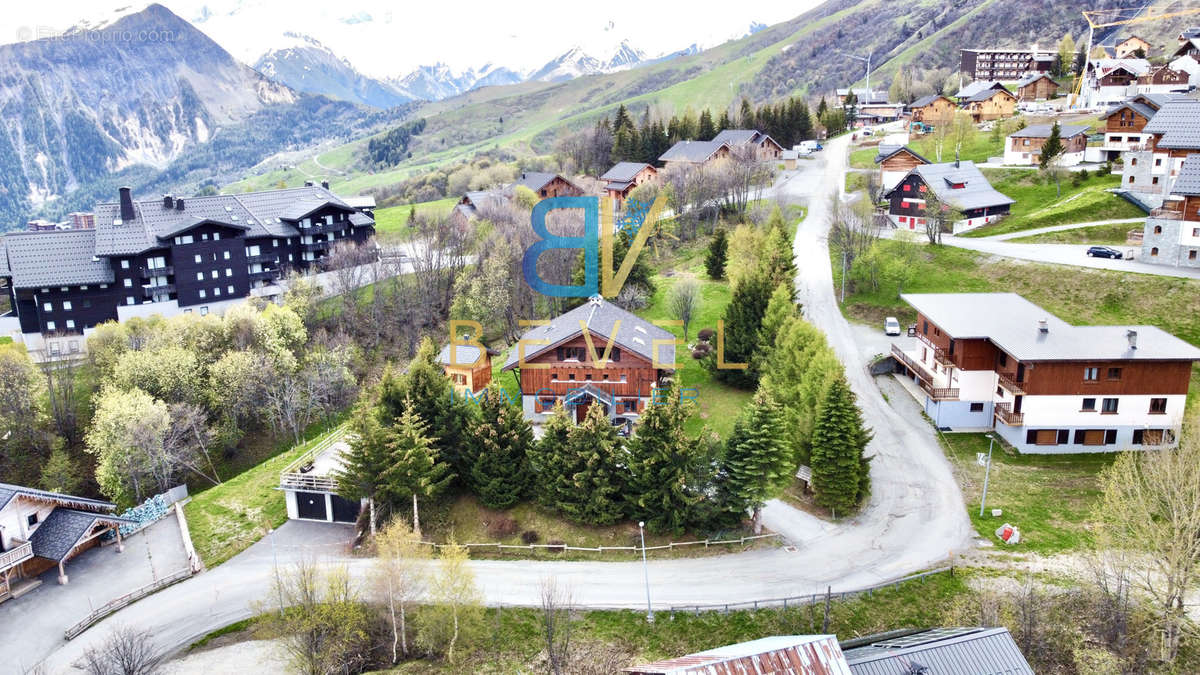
987	473
646	572
275	558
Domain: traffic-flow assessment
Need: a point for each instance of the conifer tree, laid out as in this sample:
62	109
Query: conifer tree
414	469
779	262
780	310
707	129
718	250
599	484
798	373
665	465
743	318
840	472
822	108
757	464
723	123
548	460
746	120
367	459
500	474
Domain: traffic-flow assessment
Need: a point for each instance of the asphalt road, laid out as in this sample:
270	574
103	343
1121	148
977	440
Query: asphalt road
915	517
1068	254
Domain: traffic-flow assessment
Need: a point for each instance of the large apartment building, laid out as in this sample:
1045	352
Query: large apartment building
167	256
996	360
1004	64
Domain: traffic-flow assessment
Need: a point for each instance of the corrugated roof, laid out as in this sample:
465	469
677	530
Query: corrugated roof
624	172
976	192
691	151
55	258
1188	180
1011	322
957	651
793	654
1043	131
1179	123
634	334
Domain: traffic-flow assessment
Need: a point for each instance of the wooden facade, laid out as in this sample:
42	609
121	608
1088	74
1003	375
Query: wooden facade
939	111
903	160
1043	87
1128	48
618	192
1125	120
1165	75
467	378
1000	104
559	187
564	369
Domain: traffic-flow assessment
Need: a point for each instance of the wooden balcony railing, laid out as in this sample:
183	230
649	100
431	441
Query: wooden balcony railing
1164	213
1005	414
15	556
925	378
939	354
1010	384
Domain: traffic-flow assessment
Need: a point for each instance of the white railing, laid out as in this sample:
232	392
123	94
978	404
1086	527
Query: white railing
293	475
16	556
561	547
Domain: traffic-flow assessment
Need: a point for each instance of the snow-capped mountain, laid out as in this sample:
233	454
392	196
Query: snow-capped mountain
576	63
436	82
626	56
309	66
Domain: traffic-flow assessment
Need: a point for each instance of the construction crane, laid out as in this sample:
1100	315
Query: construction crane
1103	18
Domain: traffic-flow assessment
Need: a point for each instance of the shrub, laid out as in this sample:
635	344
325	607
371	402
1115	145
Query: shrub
1084	174
705	335
502	526
702	350
530	537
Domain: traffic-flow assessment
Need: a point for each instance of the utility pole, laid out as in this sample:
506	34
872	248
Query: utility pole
646	572
843	300
987	473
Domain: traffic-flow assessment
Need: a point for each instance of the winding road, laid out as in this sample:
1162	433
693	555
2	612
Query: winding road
915	518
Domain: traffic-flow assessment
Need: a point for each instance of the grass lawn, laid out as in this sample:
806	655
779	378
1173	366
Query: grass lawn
978	147
1038	205
1047	497
855	181
1113	234
391	223
864	158
227	518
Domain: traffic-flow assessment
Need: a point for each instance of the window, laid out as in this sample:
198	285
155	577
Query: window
1158	229
227	255
275	243
87	304
203	310
1109	406
70	324
31	519
186	239
228	272
229	290
1114	373
1046	436
1003	359
203	293
1091	374
1089	405
976	407
50	325
1158	406
1132	162
1158	162
66	305
1130	179
129	300
204	237
124	263
214	274
907	187
197	258
1192	254
217	237
1093	436
1154	252
1154	180
48	306
216	292
128	283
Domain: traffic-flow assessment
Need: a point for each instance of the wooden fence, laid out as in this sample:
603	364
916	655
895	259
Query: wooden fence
129	598
810	599
558	548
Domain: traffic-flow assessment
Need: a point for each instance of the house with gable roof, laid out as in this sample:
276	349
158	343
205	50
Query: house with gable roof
958	184
620	180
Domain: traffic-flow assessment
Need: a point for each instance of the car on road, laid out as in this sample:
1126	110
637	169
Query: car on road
623	425
1105	252
891	326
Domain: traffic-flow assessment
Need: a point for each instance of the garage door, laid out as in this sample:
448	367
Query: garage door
311	505
344	510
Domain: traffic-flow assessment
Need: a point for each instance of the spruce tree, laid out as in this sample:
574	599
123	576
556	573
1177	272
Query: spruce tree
798	372
414	468
743	318
840	472
500	474
757	464
723	123
664	465
599	484
549	463
707	129
779	261
746	119
780	310
718	250
367	459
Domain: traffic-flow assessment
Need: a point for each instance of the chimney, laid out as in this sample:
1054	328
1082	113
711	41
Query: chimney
126	204
325	184
1043	326
1131	335
179	204
168	202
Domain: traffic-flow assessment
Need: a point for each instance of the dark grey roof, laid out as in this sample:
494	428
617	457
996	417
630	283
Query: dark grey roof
55	258
925	100
887	151
734	137
270	213
961	651
1188	181
464	356
976	193
536	180
634	334
1033	76
864	96
1136	106
977	86
1011	322
624	172
1043	131
480	198
61	531
1179	123
8	491
691	151
986	94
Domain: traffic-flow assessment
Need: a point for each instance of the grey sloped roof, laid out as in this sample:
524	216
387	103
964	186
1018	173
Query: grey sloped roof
1188	181
1136	106
634	334
691	151
464	355
886	151
1043	131
975	87
536	180
263	214
8	491
624	172
977	193
1179	123
925	100
738	136
986	94
1011	322
55	258
961	651
1033	76
61	531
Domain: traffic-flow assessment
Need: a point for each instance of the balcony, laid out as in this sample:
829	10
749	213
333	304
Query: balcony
939	354
15	556
265	275
322	228
161	289
926	379
1010	384
262	258
167	271
315	246
1005	414
1166	213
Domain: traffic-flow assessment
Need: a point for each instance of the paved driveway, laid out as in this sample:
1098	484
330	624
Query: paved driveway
32	626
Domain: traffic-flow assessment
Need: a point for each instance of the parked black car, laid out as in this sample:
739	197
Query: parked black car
1105	252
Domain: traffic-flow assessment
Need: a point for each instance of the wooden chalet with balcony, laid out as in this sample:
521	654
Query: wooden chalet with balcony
1036	87
990	104
1171	235
546	185
468	367
41	530
624	177
996	360
932	110
595	354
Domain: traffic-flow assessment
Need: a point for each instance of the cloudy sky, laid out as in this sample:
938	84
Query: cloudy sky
385	38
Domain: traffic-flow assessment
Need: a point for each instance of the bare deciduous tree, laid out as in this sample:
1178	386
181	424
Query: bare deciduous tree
188	438
61	372
849	233
126	651
556	625
683	302
400	577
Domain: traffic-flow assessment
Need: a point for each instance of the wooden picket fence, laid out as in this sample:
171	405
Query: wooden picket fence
115	604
